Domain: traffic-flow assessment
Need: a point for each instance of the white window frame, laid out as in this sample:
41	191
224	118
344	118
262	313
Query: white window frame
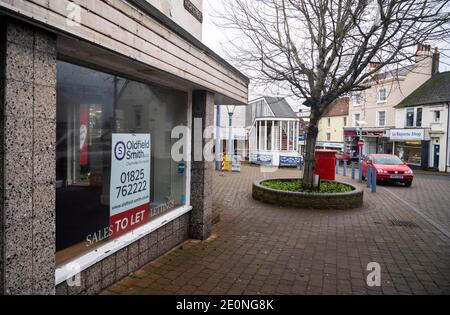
435	120
358	99
354	120
414	110
379	100
345	121
328	122
75	266
378	118
417	116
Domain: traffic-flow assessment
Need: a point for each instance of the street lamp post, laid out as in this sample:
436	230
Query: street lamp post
218	140
230	135
360	147
360	155
230	132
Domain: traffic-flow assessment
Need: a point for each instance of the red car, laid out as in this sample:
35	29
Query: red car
389	168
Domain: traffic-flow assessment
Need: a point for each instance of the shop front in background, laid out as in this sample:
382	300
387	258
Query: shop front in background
375	141
411	146
114	167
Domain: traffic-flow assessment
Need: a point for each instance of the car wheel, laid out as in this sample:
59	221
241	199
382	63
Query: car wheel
408	184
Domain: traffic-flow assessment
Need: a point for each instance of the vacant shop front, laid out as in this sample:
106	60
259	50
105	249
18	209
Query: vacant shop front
93	107
99	176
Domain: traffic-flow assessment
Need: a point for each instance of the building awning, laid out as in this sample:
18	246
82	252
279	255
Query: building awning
128	36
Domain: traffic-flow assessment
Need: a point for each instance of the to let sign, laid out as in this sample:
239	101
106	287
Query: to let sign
130	182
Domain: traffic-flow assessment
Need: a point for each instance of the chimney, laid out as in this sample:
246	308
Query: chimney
374	66
436	61
422	51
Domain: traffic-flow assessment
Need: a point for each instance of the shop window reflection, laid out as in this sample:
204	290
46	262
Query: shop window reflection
91	106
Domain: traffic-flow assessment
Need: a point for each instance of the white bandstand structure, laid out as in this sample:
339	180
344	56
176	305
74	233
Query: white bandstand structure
274	133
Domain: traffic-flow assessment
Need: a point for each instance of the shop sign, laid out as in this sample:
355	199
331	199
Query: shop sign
408	134
350	133
330	145
181	168
291	161
374	133
236	163
130	182
263	159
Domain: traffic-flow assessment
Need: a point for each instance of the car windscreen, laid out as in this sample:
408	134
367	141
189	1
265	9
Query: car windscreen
387	160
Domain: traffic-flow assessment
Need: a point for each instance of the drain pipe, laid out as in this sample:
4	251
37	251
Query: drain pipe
448	137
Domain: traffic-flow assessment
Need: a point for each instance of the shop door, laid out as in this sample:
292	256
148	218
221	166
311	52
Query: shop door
437	149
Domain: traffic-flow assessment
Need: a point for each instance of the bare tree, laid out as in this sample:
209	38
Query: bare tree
321	49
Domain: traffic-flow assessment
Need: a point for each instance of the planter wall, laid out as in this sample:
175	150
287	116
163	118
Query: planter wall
340	201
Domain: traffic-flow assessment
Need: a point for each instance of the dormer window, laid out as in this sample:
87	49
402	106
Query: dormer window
382	95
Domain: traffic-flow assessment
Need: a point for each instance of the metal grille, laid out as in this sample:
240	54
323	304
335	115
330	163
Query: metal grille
395	173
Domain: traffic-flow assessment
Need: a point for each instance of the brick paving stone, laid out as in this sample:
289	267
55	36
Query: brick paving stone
264	249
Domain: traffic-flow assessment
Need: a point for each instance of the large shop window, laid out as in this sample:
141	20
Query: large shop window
410	152
113	162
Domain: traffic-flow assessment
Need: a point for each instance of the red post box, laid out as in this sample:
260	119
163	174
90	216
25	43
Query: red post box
326	164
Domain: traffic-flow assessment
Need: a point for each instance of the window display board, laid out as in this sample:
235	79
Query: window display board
130	182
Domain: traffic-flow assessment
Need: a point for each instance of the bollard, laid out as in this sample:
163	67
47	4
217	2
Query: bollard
353	170
374	180
369	176
337	167
360	171
345	168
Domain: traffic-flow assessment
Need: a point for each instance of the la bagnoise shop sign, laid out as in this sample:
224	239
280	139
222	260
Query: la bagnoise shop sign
130	182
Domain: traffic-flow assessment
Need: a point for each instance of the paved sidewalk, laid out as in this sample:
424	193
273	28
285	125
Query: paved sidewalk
264	249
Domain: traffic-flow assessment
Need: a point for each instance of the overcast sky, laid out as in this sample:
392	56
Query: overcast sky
216	38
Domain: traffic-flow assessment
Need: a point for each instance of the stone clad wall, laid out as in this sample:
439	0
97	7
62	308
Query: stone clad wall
201	180
28	176
27	148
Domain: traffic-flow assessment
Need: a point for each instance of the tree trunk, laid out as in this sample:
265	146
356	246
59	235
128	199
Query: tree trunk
310	159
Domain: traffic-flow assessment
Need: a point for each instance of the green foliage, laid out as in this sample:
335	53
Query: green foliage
296	186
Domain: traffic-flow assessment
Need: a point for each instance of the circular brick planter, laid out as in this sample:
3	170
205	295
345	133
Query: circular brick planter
339	201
